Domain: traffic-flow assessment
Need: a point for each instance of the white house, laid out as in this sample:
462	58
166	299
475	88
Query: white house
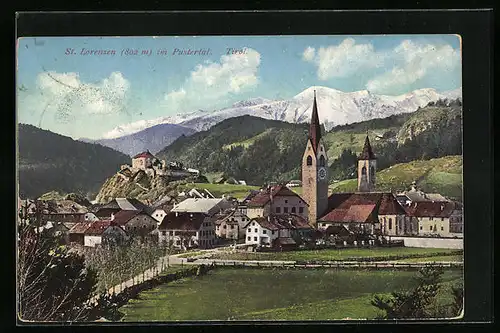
442	219
187	230
273	229
93	235
230	224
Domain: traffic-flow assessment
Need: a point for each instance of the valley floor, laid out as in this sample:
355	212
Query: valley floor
276	294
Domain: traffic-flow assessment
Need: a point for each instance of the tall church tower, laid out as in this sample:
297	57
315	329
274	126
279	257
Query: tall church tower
315	170
367	167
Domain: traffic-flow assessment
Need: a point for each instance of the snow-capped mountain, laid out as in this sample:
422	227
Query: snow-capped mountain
153	138
453	94
335	108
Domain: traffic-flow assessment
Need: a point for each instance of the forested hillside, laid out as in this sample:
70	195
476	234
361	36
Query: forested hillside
259	150
49	161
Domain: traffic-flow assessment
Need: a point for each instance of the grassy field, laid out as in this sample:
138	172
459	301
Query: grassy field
333	254
457	258
442	175
237	191
274	294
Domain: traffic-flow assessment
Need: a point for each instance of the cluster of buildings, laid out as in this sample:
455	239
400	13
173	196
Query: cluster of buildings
152	166
274	216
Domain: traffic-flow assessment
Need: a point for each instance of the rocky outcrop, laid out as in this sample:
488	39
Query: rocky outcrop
432	125
141	186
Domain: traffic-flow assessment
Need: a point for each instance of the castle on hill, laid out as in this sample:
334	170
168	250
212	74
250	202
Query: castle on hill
153	166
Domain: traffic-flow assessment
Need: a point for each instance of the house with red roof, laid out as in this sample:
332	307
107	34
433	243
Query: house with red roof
276	200
438	218
77	233
186	230
370	212
143	160
93	234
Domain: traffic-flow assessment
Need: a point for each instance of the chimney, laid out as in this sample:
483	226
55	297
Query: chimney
442	206
413	186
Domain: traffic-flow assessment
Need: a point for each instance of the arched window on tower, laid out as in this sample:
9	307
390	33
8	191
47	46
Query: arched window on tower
363	171
309	160
322	161
372	172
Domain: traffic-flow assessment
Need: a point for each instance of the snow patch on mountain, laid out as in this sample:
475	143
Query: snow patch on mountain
335	108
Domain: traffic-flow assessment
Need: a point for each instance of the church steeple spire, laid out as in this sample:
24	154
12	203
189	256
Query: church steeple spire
367	153
315	126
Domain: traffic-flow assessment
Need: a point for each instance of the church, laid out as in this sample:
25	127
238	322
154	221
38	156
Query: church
366	210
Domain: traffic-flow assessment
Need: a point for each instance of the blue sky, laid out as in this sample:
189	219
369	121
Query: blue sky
89	95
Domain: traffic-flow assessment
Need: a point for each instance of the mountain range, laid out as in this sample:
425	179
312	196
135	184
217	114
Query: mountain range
260	150
154	139
336	108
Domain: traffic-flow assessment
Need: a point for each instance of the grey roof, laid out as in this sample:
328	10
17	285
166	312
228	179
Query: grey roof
196	205
125	204
419	196
436	197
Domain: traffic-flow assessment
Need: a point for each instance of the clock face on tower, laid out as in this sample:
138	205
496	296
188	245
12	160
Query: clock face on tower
322	173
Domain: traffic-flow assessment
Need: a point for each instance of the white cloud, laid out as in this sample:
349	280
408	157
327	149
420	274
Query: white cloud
212	80
308	54
67	95
413	63
344	59
407	63
175	96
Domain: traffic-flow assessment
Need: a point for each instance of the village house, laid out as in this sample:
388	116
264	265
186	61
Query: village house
368	212
230	224
186	230
135	223
56	229
443	219
279	231
406	198
276	200
77	233
120	204
208	206
93	234
162	207
114	235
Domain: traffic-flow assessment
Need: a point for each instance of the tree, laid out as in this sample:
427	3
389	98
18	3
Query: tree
53	283
417	303
458	300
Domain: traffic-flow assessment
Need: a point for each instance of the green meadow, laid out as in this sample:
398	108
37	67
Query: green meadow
276	294
339	254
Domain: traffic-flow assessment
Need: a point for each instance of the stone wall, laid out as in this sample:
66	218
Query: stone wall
431	242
